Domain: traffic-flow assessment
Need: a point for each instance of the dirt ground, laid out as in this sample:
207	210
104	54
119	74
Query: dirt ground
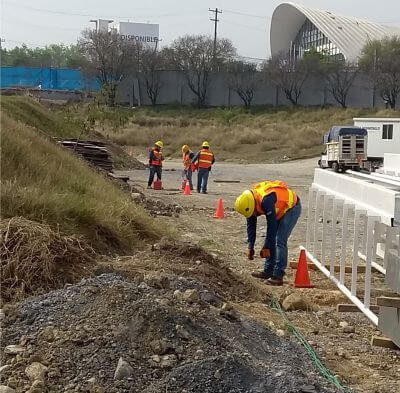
365	369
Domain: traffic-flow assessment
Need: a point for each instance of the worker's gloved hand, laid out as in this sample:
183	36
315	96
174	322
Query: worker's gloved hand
265	253
250	254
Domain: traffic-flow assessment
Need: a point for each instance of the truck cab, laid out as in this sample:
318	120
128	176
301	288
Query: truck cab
345	148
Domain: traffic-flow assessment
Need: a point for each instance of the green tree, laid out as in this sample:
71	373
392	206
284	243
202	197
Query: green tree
109	59
193	56
60	56
380	60
244	79
288	75
339	75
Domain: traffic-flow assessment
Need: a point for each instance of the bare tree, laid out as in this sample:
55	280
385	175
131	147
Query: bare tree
339	76
381	62
244	79
193	56
109	59
287	75
151	65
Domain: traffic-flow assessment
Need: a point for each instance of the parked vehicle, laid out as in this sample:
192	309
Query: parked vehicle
383	137
346	148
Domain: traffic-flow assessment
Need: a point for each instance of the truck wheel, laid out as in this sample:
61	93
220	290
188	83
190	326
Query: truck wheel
335	167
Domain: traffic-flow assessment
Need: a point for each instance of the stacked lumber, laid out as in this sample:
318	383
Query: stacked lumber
93	151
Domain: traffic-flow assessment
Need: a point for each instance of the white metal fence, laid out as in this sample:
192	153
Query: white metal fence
350	224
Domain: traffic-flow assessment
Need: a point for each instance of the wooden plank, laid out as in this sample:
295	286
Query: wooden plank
388	301
384	342
348	269
226	181
354	308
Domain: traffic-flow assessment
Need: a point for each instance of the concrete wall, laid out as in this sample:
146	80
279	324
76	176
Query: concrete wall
176	91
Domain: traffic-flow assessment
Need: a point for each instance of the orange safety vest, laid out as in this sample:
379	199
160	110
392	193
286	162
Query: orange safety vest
158	155
285	197
187	162
186	159
205	158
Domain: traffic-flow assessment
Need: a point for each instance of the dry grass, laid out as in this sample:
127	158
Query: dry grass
36	258
258	135
30	112
43	182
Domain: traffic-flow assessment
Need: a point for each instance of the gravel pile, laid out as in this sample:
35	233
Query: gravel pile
156	207
110	334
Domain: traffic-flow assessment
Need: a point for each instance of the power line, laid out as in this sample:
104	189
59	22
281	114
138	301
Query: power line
244	14
42	26
244	26
215	20
54	12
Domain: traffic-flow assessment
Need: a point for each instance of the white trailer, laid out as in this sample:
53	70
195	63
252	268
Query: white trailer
383	137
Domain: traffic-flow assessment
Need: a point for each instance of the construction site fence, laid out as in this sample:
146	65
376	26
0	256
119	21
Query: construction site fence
355	236
46	79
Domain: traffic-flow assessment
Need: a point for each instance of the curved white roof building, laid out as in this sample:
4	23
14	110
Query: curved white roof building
296	29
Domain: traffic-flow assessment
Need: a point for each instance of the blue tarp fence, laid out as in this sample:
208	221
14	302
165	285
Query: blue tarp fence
47	78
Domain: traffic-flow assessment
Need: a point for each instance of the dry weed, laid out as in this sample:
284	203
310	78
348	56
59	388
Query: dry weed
36	258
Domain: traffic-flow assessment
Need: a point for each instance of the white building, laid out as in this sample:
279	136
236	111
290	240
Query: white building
383	136
296	29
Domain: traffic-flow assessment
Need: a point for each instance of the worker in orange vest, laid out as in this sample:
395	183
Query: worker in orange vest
188	166
155	162
282	208
205	158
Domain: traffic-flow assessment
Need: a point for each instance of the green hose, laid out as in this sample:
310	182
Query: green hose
309	349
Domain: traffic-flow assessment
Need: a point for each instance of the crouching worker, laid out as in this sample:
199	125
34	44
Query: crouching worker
155	162
188	167
282	209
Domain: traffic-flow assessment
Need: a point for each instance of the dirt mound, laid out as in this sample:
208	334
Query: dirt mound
169	341
35	258
188	261
155	207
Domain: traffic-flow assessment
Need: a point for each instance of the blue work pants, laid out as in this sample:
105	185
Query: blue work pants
154	169
276	264
202	179
188	176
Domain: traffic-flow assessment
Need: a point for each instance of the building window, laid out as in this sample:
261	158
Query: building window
310	37
387	132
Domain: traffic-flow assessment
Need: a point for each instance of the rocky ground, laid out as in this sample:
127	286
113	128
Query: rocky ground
114	334
187	316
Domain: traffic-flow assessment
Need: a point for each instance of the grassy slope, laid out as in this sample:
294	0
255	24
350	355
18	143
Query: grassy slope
31	113
59	124
41	181
261	134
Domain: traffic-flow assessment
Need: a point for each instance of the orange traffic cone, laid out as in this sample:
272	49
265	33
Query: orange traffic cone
186	191
302	279
219	213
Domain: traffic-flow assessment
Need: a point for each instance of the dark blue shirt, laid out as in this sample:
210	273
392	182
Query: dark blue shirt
268	206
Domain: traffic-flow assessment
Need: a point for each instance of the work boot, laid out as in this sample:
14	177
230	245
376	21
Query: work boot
205	192
262	275
149	187
275	281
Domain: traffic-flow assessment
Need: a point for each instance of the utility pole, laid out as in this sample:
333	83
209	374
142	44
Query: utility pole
215	20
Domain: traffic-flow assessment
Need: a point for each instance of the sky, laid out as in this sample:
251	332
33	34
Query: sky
246	23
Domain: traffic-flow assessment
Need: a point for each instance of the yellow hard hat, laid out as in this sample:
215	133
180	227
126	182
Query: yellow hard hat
206	144
245	204
185	148
159	144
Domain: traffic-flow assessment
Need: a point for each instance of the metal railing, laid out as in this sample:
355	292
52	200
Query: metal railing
350	222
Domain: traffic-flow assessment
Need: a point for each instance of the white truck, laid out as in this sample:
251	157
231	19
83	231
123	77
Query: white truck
346	148
383	137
